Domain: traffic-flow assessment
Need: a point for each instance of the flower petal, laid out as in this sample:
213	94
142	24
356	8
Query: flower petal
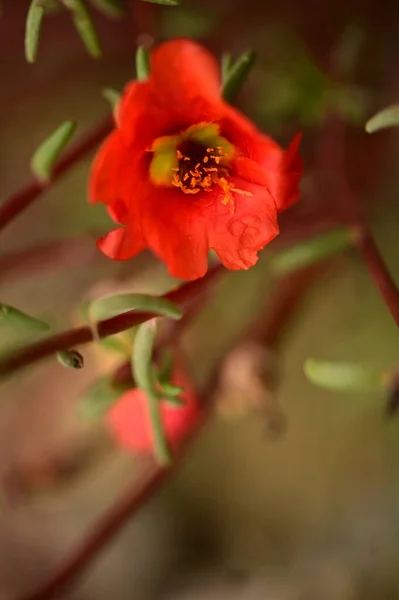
237	237
263	161
110	176
173	227
187	79
129	423
121	243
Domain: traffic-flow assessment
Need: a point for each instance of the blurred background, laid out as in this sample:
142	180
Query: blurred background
296	499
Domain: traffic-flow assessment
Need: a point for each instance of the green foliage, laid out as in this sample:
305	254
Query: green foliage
388	117
142	64
32	30
236	75
226	63
143	374
344	376
43	160
18	319
84	26
111	8
111	306
112	96
311	251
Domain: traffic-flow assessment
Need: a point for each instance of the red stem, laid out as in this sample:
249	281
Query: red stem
112	521
378	270
183	296
23	198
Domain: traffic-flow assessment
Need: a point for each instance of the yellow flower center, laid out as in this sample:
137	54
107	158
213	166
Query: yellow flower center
196	160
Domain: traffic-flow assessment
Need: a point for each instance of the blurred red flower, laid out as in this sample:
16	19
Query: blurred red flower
129	423
184	172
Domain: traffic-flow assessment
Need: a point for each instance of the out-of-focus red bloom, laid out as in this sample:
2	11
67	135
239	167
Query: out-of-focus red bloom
184	172
129	422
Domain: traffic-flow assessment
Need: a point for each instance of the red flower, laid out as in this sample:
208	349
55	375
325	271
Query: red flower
129	422
184	172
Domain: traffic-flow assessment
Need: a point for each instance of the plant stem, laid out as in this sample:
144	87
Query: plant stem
161	449
378	270
20	200
183	297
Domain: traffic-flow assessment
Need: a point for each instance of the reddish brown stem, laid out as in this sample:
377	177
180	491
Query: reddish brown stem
23	198
378	270
111	522
83	335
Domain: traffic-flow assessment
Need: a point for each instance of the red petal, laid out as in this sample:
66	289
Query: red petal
237	237
183	88
264	162
129	423
187	78
121	244
173	227
110	176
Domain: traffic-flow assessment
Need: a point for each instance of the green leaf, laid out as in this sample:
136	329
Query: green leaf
164	2
388	117
110	8
227	63
32	30
142	64
17	318
43	160
143	374
115	344
311	251
97	399
237	75
111	306
112	96
71	359
85	26
344	376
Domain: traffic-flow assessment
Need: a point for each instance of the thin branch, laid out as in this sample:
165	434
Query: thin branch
378	270
183	296
130	502
134	497
20	200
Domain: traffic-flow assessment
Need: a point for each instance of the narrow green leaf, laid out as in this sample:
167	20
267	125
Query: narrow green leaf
110	8
97	399
227	63
237	75
17	318
71	359
142	355
143	374
164	2
388	117
142	64
343	376
85	26
32	30
43	160
112	96
311	251
111	306
170	390
115	344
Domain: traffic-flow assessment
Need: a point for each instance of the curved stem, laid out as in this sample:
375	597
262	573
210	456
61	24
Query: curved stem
183	296
20	200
